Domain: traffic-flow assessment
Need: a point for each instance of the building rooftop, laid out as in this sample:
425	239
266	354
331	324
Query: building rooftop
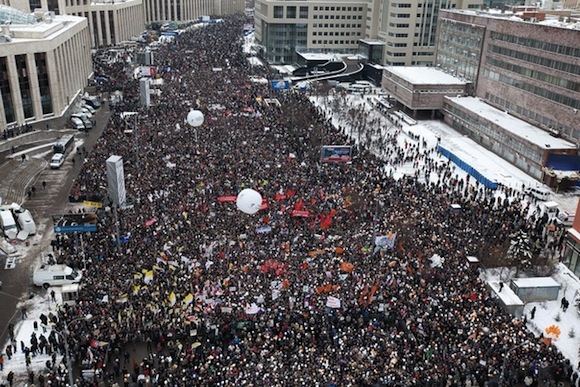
424	75
517	127
551	20
42	30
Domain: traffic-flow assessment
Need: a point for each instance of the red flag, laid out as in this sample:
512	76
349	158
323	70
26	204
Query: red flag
326	222
299	205
264	205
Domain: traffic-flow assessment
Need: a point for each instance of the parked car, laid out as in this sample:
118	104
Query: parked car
93	101
77	123
57	161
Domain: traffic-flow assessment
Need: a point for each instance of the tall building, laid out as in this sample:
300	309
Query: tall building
165	10
528	68
45	63
283	27
409	28
110	22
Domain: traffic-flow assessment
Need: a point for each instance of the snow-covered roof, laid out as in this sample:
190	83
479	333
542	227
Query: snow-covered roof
506	295
317	56
536	282
418	75
517	127
550	21
373	42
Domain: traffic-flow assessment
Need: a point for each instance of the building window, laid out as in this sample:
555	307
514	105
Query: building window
43	83
278	12
291	12
6	91
24	82
303	12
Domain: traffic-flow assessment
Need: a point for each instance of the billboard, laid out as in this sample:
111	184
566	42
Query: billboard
69	223
336	154
116	180
280	84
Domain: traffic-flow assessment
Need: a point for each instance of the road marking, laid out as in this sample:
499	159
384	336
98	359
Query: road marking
10	263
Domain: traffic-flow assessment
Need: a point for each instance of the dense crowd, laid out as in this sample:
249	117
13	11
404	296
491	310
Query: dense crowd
225	298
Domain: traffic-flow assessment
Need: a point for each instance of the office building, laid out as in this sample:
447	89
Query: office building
284	27
110	22
528	68
45	62
409	28
183	10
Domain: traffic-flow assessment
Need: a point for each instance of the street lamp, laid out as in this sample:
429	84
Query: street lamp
64	336
505	359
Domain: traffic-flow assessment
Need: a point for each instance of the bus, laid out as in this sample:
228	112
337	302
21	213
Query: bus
64	143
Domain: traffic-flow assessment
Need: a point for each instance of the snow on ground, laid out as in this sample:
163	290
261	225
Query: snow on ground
550	313
23	331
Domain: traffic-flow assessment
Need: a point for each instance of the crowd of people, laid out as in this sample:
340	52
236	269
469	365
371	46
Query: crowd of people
298	294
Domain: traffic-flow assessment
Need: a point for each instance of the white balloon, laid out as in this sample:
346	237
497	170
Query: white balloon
195	118
249	201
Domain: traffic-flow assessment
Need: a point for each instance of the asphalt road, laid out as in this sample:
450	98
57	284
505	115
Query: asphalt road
16	179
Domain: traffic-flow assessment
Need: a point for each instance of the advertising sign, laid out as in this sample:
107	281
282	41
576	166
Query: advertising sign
280	84
70	223
336	154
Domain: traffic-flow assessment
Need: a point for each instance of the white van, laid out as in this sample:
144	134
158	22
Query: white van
8	223
24	219
56	275
539	193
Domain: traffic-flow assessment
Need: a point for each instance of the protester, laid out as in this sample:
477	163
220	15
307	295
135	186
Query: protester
225	298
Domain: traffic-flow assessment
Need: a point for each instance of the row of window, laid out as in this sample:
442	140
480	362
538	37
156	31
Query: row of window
334	41
332	25
574	52
400	5
347	9
539	91
451	91
332	33
535	59
532	115
402	15
482	126
337	17
290	12
399	25
535	74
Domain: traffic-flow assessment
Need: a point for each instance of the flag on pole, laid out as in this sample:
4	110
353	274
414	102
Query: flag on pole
172	299
148	277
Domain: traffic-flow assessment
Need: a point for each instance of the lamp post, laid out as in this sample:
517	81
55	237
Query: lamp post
64	336
505	359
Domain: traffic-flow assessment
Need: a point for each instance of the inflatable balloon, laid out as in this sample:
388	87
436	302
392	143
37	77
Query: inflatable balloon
249	201
195	118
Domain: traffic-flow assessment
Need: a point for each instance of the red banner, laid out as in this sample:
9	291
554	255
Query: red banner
301	214
223	199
